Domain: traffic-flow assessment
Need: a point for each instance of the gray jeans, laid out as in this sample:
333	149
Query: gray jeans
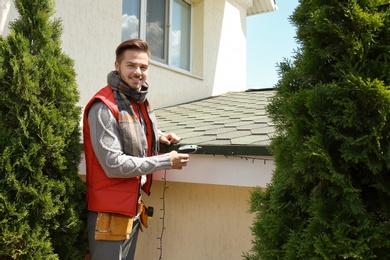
111	250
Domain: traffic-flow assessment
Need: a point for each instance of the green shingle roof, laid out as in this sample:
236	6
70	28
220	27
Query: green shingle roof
231	123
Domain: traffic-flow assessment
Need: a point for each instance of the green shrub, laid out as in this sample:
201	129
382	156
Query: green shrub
330	192
42	207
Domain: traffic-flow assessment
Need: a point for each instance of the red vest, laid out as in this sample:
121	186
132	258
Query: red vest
115	195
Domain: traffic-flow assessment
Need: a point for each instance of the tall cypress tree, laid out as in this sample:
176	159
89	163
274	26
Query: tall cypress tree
329	197
41	195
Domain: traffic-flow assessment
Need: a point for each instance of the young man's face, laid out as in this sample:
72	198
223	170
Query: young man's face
133	68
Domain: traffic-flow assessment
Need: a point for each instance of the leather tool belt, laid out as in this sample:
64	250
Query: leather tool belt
115	227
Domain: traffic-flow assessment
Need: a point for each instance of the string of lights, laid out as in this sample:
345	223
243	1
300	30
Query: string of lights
163	215
247	158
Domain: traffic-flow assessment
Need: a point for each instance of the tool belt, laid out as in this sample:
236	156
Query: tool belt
115	227
110	226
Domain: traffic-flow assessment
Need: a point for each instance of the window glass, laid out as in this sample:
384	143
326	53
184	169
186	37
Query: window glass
130	19
164	24
180	41
155	28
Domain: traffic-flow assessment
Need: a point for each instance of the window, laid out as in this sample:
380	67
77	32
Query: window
164	24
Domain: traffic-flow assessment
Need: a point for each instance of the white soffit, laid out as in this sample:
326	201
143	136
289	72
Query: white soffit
262	6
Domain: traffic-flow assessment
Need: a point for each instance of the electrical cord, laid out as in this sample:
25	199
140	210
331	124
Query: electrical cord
163	215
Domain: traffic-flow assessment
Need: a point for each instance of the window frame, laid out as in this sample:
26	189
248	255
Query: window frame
166	61
189	36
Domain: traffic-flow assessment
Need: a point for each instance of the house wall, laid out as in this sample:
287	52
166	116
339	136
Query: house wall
201	222
230	48
90	39
92	30
7	14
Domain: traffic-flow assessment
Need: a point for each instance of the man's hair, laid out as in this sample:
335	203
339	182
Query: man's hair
132	44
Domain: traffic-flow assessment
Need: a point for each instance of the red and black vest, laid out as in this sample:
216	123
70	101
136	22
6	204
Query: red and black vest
114	195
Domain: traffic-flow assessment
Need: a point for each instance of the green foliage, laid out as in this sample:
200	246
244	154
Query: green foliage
330	192
41	196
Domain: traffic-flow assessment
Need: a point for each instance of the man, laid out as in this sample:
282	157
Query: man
121	142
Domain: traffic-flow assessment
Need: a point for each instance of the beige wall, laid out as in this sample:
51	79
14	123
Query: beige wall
7	15
230	67
92	30
208	222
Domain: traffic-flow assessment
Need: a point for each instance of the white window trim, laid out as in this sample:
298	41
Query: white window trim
168	37
142	20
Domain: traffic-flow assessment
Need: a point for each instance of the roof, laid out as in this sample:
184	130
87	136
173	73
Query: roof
262	6
232	123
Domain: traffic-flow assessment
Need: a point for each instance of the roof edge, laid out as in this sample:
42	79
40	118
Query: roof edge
227	150
262	6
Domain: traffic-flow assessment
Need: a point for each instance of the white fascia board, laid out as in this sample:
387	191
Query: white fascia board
262	6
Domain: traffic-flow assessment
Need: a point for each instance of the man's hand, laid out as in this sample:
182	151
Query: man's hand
169	139
179	160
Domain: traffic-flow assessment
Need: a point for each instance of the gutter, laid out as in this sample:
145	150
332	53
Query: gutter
228	150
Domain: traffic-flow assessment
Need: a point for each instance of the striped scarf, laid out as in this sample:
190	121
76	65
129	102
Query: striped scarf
132	132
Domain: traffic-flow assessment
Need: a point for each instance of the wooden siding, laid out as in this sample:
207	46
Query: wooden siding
201	221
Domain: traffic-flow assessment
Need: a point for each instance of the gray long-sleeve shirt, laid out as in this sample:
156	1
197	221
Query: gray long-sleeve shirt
108	147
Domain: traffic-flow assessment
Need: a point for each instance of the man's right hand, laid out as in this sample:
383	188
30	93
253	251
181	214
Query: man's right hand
179	160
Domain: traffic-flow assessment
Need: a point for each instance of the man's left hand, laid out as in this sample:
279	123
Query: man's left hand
170	138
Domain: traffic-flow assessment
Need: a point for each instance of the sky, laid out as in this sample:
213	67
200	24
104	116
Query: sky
270	39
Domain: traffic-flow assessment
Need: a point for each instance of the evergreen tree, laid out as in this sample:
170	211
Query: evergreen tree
41	195
329	197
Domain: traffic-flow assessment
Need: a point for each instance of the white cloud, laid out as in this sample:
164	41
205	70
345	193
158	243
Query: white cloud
129	27
175	50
